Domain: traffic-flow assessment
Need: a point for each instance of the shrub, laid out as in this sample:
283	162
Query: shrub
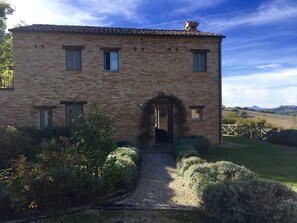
12	144
120	172
254	201
186	154
201	176
178	149
94	138
61	187
5	202
286	137
120	169
53	155
185	163
199	142
130	152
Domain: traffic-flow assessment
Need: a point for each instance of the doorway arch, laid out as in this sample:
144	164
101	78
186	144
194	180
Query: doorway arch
161	116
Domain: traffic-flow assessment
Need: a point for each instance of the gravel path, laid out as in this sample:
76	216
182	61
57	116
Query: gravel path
160	186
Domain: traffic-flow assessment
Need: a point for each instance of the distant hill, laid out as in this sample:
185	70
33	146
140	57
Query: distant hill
280	117
256	108
283	110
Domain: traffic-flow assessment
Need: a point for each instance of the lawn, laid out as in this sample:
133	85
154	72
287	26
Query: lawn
270	161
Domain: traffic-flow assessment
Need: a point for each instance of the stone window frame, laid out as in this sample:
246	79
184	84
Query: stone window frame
106	52
73	48
45	116
196	53
199	109
73	104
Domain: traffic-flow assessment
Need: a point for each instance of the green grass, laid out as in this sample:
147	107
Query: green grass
269	161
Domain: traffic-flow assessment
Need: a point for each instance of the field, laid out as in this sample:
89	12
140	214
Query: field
279	121
268	161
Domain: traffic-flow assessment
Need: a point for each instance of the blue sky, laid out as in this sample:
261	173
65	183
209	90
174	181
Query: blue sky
259	53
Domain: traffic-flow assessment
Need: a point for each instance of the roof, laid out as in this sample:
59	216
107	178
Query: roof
95	30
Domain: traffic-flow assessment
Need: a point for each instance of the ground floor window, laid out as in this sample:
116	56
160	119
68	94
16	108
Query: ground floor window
45	116
73	111
197	112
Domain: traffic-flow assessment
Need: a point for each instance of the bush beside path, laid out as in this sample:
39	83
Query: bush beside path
160	186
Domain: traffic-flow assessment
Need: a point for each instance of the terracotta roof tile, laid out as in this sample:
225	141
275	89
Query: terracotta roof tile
112	31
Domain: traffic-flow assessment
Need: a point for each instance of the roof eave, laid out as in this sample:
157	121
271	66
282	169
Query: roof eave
15	30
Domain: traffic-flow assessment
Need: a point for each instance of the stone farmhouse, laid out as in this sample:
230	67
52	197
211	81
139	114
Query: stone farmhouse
156	84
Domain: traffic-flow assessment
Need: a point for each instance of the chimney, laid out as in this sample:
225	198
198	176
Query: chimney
191	25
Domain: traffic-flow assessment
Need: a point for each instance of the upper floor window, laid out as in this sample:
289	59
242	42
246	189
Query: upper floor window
111	59
200	60
73	57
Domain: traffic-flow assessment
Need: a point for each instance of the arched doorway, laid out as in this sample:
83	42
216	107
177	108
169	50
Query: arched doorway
163	121
162	115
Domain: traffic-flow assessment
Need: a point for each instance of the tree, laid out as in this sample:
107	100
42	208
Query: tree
94	137
6	57
5	10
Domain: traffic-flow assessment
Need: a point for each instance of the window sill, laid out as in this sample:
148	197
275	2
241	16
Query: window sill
9	89
74	71
112	71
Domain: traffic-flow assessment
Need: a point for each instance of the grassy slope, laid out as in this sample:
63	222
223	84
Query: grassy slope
280	121
270	161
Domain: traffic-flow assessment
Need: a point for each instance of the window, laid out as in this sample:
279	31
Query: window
111	58
197	112
45	116
200	60
73	111
73	57
111	61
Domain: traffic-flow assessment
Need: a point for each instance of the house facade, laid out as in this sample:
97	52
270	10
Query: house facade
171	78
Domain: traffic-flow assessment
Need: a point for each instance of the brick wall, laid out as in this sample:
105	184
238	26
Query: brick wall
148	65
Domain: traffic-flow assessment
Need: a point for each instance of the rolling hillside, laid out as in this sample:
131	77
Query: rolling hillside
281	117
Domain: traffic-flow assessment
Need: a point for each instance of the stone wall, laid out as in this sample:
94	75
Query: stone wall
147	65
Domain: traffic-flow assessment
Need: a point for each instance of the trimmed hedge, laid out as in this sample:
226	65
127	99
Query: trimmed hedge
199	142
120	169
201	176
254	201
286	137
130	152
186	162
184	151
231	192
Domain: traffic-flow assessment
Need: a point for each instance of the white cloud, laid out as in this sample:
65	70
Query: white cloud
87	12
263	89
267	12
269	66
189	6
126	8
